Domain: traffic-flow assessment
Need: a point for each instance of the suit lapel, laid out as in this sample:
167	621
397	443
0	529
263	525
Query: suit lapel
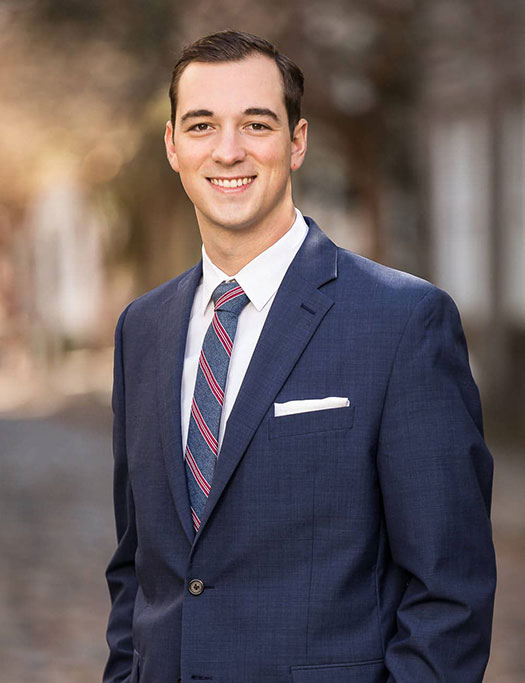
300	303
174	320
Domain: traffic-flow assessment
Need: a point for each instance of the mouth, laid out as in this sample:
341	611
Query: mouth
232	183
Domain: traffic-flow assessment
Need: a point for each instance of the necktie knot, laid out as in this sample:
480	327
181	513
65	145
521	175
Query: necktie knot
229	297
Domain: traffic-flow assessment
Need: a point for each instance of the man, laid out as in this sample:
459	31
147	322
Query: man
302	489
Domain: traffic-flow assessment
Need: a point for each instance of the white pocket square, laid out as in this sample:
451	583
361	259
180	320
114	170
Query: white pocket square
308	405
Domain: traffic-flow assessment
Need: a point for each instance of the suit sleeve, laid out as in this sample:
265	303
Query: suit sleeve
120	574
436	479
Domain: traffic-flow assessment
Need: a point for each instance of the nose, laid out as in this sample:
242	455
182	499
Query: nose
228	148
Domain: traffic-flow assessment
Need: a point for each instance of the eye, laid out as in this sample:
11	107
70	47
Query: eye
200	127
258	126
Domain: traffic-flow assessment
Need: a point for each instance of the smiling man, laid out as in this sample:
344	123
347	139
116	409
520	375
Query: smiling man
302	489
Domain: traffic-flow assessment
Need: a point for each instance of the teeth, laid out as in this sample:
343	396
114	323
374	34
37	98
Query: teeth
231	182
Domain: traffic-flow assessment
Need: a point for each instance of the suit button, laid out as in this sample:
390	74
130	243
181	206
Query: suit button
196	586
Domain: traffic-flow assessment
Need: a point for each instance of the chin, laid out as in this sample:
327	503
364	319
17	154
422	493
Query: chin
235	226
232	222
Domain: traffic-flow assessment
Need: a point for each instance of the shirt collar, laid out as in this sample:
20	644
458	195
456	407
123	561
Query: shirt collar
261	277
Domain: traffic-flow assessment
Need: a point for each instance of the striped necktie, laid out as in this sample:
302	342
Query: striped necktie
202	447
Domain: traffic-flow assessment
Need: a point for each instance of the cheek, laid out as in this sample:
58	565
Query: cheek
187	163
281	171
271	153
189	157
190	178
281	162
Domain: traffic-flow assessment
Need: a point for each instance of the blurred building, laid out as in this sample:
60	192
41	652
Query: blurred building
472	115
67	263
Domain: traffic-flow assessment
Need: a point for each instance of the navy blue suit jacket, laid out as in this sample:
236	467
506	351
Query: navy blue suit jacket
349	545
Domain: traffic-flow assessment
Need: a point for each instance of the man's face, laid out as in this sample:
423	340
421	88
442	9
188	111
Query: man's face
231	144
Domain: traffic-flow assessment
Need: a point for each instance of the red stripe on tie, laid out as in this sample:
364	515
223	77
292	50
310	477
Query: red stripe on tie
196	520
203	428
227	296
232	294
224	337
197	474
210	378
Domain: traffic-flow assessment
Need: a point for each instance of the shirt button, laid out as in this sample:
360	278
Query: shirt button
196	586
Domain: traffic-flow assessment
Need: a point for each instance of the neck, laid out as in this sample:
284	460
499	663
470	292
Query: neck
230	249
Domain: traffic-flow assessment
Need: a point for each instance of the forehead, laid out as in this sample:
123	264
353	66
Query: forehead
231	86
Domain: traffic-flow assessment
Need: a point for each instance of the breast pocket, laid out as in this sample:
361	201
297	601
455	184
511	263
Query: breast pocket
311	422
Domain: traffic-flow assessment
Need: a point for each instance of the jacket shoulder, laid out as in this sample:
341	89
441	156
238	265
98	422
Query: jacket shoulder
382	284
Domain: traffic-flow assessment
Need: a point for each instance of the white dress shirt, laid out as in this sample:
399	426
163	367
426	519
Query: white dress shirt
260	279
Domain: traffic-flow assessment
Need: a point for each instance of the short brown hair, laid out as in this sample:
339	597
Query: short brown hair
233	46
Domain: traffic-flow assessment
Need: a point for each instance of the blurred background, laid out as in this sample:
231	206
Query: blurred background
416	159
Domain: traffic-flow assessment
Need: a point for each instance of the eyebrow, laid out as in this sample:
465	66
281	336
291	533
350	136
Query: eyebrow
196	113
251	111
261	111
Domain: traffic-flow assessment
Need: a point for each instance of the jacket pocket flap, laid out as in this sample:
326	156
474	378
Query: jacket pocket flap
359	672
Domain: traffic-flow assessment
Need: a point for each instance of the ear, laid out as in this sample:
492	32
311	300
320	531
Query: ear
299	144
170	147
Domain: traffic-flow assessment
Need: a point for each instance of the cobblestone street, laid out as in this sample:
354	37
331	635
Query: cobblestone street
57	535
